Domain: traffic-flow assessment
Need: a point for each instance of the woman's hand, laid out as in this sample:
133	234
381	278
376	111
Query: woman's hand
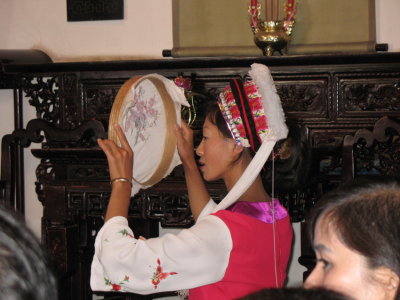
198	194
184	142
120	163
120	159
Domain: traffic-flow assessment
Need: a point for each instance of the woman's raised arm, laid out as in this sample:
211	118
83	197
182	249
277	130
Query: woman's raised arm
197	191
120	163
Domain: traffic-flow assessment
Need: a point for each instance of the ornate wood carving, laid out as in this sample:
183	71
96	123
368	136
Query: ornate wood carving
98	99
43	95
372	153
374	96
304	98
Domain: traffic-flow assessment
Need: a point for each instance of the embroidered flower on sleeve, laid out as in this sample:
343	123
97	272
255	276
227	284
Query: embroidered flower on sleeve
116	286
159	274
125	232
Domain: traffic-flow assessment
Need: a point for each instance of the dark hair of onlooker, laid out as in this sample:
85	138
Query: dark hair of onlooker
296	293
24	271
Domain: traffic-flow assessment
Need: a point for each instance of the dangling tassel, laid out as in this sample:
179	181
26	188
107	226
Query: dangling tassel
273	218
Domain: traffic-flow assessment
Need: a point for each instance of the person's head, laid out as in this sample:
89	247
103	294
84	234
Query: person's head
296	293
291	155
355	232
24	272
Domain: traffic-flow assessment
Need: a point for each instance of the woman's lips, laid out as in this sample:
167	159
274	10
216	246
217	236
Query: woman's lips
201	166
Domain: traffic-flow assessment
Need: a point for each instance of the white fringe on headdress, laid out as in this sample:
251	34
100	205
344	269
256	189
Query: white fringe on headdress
278	130
271	101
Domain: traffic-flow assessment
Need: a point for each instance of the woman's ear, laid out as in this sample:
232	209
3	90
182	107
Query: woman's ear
394	280
388	278
238	149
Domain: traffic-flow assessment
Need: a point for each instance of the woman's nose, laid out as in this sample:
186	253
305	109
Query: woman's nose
313	280
199	150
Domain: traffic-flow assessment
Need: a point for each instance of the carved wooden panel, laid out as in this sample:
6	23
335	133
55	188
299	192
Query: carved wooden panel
305	97
369	94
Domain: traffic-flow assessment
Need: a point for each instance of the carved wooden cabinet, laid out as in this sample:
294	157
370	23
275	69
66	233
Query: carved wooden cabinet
331	95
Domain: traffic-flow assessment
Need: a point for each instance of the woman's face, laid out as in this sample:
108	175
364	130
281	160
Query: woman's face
216	152
341	269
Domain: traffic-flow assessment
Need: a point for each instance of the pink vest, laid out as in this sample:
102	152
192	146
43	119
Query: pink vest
251	263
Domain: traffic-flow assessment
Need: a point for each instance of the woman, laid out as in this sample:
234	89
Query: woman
356	236
227	254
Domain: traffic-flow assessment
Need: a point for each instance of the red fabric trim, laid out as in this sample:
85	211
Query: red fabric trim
246	121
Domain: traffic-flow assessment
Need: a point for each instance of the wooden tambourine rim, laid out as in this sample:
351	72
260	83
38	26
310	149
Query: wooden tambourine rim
170	114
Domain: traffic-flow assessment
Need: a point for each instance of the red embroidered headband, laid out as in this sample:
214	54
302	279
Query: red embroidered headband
241	106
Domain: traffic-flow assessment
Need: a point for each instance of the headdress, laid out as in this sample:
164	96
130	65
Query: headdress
254	115
146	107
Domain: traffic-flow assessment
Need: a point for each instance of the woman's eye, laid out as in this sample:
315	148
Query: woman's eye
324	262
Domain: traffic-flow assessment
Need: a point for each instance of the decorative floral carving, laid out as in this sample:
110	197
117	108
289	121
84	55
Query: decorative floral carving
371	96
43	93
300	98
56	99
45	171
381	158
69	97
99	100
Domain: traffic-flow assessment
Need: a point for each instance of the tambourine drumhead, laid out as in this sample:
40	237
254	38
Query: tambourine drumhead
146	113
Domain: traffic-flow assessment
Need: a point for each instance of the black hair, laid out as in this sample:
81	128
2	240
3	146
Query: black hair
296	293
291	166
213	113
24	270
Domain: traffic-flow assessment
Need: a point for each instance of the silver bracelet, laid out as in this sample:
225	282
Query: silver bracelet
123	179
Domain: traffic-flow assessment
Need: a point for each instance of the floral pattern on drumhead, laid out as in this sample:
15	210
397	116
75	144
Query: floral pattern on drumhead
140	115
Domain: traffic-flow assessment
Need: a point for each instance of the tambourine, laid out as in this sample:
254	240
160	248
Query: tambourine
146	108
